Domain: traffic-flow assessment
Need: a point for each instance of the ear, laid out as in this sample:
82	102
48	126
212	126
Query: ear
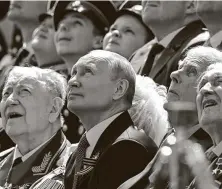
97	42
121	89
191	7
56	109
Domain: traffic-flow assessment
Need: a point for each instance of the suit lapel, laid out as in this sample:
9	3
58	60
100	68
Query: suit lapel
184	35
113	131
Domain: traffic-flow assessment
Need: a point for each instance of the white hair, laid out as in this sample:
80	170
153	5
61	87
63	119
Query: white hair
147	111
55	83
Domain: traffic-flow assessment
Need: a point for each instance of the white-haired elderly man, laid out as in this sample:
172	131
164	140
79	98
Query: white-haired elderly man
30	108
209	114
100	92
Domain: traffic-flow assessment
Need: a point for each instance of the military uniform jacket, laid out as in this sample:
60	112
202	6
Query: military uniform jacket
120	153
192	35
36	166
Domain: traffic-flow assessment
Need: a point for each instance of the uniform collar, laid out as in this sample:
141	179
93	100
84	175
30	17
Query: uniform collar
17	153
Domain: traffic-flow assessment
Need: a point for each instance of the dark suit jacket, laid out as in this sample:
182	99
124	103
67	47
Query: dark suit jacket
5	141
121	152
192	35
36	166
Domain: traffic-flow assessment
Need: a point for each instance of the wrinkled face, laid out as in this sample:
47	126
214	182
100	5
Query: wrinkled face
26	10
43	36
208	8
209	97
90	87
162	11
183	82
74	35
25	105
125	36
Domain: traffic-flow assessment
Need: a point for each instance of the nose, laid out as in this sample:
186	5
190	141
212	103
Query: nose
175	77
12	100
63	27
74	83
116	33
206	90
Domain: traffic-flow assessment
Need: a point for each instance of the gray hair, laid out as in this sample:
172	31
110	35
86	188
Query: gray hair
120	69
217	66
147	111
203	56
54	82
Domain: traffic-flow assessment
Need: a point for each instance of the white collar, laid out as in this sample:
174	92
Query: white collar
167	39
216	39
218	149
95	132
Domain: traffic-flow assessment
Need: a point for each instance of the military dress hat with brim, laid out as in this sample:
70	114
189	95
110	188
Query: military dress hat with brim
51	5
101	13
135	11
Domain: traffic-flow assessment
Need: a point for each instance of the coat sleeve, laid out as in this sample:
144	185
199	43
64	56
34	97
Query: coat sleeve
120	162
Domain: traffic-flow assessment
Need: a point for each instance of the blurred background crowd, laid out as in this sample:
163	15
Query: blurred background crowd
167	59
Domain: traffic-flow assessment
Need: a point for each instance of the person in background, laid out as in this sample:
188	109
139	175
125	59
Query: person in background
25	15
177	28
80	27
31	103
210	13
128	33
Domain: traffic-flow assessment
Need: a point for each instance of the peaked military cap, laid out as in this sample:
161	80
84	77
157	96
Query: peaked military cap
101	13
135	10
51	5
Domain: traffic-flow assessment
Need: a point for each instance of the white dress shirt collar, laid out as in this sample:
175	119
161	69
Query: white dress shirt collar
95	132
216	39
218	149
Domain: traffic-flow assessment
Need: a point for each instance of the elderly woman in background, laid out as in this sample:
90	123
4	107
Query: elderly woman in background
128	33
147	110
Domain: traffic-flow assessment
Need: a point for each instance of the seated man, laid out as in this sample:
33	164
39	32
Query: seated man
183	89
209	115
32	100
100	92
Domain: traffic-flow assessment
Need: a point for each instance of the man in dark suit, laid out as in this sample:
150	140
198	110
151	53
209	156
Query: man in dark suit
177	28
100	92
32	100
210	13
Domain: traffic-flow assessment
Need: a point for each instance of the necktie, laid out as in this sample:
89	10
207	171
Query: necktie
17	161
156	49
22	54
80	154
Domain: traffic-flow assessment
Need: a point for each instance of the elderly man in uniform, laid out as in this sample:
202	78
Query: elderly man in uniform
177	28
31	103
